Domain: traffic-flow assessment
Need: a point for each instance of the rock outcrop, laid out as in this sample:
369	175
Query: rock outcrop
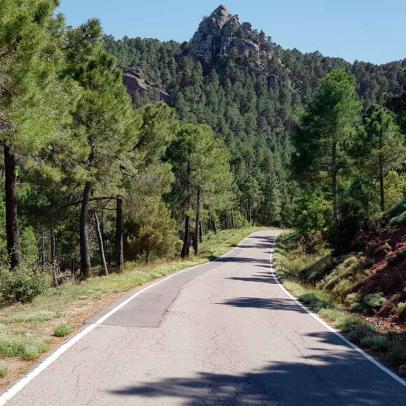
222	34
140	88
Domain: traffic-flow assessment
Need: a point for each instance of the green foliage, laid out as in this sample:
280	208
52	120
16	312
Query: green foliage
22	284
3	371
39	316
376	343
19	346
399	220
374	300
62	330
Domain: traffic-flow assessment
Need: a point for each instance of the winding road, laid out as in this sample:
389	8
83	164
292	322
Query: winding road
223	333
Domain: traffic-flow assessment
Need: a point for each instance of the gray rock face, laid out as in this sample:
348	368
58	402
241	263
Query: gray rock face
137	85
222	34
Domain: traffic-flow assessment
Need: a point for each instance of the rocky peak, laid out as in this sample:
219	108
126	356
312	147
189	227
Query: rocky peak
222	34
219	17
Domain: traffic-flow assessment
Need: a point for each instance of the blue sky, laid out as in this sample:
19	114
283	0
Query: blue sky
368	30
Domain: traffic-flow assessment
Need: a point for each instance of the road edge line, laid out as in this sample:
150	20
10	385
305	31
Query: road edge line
21	383
332	329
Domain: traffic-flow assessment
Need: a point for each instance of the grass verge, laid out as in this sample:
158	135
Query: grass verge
28	331
298	271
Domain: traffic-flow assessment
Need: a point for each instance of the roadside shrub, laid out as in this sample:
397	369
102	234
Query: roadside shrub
62	330
3	371
374	300
34	317
356	307
21	347
376	343
397	351
401	308
352	298
355	329
22	285
315	302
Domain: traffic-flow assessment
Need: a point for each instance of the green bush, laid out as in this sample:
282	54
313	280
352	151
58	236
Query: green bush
401	308
315	302
376	343
355	330
38	316
3	371
352	298
356	307
62	330
19	346
374	300
22	285
399	220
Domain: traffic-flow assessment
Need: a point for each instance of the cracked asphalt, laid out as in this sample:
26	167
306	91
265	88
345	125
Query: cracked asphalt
224	333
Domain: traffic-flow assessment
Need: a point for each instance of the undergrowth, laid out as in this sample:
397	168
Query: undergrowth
325	285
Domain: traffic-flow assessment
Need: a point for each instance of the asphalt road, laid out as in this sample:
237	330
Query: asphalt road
224	333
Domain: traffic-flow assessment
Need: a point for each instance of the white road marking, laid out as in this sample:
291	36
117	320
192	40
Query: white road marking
333	330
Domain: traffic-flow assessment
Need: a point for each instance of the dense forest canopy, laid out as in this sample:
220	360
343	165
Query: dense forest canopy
135	148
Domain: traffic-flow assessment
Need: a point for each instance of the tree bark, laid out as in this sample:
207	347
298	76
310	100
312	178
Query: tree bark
12	232
200	232
84	235
53	247
101	244
334	180
119	234
214	226
196	238
186	239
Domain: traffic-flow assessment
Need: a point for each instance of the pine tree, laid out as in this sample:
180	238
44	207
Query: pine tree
30	96
104	122
322	139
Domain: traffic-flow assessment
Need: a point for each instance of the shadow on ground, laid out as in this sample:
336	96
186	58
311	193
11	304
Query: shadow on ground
332	379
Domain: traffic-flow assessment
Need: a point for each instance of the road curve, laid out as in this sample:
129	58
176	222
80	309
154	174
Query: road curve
224	333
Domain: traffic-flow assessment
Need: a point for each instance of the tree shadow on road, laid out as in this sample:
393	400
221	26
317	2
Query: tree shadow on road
264	303
333	378
264	277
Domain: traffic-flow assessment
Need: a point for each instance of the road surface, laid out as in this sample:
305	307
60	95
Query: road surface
224	333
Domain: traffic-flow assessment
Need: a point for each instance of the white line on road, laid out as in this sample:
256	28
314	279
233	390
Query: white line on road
333	330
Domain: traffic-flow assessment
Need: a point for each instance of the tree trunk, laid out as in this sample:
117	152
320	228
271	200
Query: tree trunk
84	235
197	224
214	226
42	249
381	185
232	220
186	239
12	233
119	234
334	180
101	245
53	247
200	232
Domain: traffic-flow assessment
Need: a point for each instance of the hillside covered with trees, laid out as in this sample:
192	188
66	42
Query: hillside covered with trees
133	149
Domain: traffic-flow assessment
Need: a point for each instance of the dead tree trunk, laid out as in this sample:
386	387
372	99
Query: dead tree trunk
101	245
12	233
84	235
119	235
